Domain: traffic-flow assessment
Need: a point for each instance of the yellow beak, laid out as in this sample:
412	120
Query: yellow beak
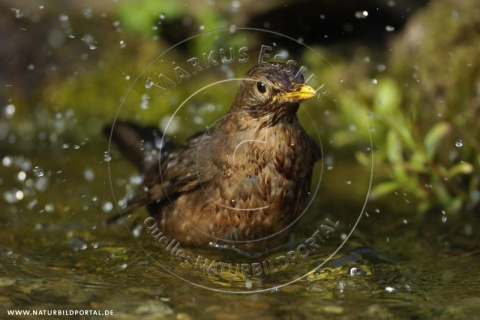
300	92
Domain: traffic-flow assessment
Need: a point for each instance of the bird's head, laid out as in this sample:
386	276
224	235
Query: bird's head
272	89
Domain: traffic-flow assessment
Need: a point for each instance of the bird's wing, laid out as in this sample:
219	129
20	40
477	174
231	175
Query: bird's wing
173	174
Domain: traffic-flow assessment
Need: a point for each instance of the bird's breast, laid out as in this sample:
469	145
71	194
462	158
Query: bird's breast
258	166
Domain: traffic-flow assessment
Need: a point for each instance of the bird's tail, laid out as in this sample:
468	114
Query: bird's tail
141	145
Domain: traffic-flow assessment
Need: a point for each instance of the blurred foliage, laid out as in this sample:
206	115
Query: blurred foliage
424	110
139	16
171	20
442	44
123	70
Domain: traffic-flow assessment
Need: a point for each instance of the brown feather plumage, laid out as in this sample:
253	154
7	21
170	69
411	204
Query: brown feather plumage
243	182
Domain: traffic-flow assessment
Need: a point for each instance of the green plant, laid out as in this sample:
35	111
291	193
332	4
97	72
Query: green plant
407	162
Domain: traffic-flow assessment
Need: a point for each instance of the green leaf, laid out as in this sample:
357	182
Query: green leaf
387	98
394	148
401	126
383	189
141	15
460	168
455	206
364	158
434	137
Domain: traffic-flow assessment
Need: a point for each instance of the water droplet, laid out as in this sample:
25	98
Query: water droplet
444	217
144	104
88	174
389	28
148	83
381	67
21	176
89	41
136	180
19	195
361	14
7	161
107	206
122	44
137	230
24	164
18	13
235	5
107	157
63	18
49	207
198	120
32	204
283	54
389	289
9	111
9	196
353	271
248	284
41	184
162	16
88	13
458	143
232	28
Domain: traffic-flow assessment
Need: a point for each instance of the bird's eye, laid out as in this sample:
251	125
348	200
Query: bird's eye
261	87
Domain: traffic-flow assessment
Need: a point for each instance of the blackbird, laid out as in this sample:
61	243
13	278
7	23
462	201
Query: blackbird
241	184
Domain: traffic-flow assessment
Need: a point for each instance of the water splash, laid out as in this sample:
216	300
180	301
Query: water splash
107	157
